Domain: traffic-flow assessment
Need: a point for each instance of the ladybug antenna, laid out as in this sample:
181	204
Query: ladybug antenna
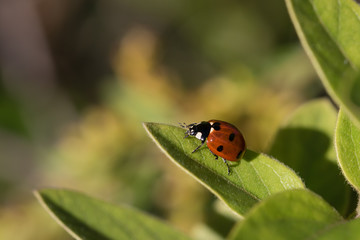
187	133
183	125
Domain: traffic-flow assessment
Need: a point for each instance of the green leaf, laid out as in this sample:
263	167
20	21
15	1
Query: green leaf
254	178
339	18
88	218
305	144
347	143
345	230
293	214
327	30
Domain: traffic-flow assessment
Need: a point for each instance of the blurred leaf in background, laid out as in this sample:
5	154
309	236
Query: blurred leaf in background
78	83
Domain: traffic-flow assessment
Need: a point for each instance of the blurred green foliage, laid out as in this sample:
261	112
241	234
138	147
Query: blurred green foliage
119	63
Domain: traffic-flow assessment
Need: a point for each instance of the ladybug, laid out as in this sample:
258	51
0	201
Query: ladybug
223	139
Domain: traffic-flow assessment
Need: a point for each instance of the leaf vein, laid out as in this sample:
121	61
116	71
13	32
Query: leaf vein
276	173
239	176
261	178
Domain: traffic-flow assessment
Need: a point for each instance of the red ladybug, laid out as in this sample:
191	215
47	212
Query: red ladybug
223	139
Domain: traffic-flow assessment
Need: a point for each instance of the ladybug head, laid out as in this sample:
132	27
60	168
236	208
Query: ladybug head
199	130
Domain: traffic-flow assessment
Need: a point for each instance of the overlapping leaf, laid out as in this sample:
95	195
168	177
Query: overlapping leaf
347	144
293	214
344	230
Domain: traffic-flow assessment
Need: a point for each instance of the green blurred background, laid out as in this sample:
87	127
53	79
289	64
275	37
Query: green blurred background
78	77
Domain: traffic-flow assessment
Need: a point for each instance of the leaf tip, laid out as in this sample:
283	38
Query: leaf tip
147	127
37	194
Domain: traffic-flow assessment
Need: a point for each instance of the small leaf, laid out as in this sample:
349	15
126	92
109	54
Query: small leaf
344	230
347	143
88	218
326	30
254	178
293	214
305	144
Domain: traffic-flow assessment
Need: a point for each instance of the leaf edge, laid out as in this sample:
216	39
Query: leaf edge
42	202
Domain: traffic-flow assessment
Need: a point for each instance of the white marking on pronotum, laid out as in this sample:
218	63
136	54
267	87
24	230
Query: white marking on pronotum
198	135
211	129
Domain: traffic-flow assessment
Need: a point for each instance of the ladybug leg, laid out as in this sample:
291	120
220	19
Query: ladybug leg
202	143
187	133
216	156
227	166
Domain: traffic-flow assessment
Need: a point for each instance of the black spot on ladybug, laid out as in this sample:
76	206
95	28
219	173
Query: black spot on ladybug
220	148
239	154
216	126
231	137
